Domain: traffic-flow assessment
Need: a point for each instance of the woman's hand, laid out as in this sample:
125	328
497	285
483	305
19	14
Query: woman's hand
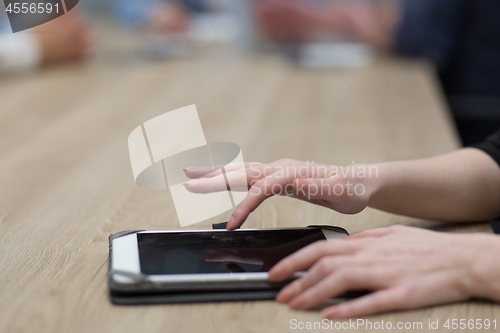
288	20
169	17
405	268
344	189
292	20
68	39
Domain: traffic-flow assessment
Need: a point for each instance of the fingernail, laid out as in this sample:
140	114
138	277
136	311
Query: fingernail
330	312
274	274
191	181
284	295
280	298
297	303
231	221
189	168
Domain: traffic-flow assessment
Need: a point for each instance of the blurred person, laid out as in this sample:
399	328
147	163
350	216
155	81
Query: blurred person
160	16
404	267
305	20
459	36
63	39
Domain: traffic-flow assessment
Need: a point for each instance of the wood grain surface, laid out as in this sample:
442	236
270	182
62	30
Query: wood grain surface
66	180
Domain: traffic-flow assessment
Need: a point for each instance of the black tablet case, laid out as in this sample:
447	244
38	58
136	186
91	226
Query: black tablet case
144	291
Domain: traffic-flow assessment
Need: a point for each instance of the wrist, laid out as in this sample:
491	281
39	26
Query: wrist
369	175
482	272
363	179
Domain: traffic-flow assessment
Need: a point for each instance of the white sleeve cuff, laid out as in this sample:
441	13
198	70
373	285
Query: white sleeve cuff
20	51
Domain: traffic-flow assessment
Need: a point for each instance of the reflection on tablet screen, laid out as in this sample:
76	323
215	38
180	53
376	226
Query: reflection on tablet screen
219	252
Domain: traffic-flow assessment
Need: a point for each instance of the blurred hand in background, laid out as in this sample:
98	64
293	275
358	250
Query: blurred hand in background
300	20
159	16
168	17
291	20
67	38
370	22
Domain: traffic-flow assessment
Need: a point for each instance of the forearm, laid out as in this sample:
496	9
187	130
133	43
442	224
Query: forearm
460	186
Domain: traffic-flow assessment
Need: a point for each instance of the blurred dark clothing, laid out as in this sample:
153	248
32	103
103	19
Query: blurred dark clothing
475	117
195	5
462	37
491	146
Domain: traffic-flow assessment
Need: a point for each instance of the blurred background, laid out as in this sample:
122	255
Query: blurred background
459	38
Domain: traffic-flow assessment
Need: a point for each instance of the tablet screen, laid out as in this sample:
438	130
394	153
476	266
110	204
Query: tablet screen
220	251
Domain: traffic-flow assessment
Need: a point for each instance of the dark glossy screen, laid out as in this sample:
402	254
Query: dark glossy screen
220	251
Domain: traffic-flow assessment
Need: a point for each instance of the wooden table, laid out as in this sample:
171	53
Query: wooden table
66	181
